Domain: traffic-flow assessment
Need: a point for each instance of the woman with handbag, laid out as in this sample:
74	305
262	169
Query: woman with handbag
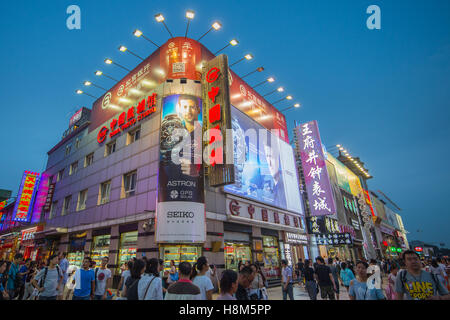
256	285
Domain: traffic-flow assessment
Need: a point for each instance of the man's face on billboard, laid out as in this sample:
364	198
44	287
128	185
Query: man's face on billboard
272	159
189	110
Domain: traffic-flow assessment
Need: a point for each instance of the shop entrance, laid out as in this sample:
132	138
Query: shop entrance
76	250
235	252
271	257
127	248
100	248
179	253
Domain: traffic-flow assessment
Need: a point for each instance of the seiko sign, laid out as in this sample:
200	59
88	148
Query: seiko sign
180	214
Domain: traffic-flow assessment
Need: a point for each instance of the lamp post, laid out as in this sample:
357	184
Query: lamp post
270	79
125	49
89	83
248	56
190	14
297	105
160	18
260	69
109	61
216	26
287	98
82	92
138	33
279	89
233	42
101	73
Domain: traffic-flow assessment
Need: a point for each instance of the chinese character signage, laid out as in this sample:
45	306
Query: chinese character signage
48	200
322	224
217	119
334	239
317	182
25	198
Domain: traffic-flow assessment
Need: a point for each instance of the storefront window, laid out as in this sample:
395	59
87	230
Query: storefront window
271	257
235	252
127	248
179	253
100	248
76	251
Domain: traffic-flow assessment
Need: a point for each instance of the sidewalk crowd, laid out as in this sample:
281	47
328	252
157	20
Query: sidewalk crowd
145	279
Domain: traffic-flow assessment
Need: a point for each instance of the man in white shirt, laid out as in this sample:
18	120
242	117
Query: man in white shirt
102	280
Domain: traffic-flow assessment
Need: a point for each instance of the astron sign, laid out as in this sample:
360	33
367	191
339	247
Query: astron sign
129	118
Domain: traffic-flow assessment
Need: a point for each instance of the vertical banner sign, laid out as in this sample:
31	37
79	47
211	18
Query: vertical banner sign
25	197
180	212
317	182
217	119
49	199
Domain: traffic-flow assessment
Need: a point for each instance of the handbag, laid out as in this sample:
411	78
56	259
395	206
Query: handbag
264	295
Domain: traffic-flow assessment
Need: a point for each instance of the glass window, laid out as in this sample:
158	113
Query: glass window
236	252
60	175
179	253
127	248
100	248
66	205
129	184
88	160
73	168
133	136
271	257
77	142
53	209
110	148
82	197
105	189
68	148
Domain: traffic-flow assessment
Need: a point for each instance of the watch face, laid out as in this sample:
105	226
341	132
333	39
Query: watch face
168	140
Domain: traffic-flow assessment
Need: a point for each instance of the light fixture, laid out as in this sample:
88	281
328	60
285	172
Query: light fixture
89	83
270	79
216	26
338	145
138	33
85	93
247	56
100	73
279	89
289	97
189	15
109	61
297	105
125	49
233	42
259	69
160	18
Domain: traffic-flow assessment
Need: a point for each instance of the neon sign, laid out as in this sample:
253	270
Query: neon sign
25	198
128	118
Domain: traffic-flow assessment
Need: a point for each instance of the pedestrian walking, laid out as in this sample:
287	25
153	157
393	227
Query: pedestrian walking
102	280
28	281
245	278
14	279
173	274
417	284
257	284
64	266
390	289
300	269
346	275
70	283
130	290
3	279
310	282
201	280
359	289
150	284
287	281
84	281
228	285
439	271
49	279
183	289
23	273
126	273
325	280
335	274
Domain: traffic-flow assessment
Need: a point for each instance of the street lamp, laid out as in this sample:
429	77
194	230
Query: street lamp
248	56
190	14
216	26
260	69
125	49
287	98
109	61
82	92
279	89
160	18
297	105
270	79
233	43
89	83
99	73
138	33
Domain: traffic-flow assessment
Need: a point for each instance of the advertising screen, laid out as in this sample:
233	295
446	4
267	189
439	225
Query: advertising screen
181	209
261	173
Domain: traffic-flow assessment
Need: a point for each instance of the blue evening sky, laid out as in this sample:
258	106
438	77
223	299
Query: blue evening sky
383	94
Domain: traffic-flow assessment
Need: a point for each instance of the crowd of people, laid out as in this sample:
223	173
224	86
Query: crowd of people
146	279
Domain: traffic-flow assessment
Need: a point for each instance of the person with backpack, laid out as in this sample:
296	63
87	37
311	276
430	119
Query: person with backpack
201	280
102	280
23	272
84	281
310	282
14	278
287	281
28	281
3	292
130	290
50	279
150	284
64	266
325	279
417	284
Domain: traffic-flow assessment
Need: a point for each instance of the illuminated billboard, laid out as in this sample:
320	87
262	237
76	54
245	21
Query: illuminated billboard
346	179
264	166
25	197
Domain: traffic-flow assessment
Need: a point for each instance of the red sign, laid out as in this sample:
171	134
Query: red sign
28	234
418	249
128	118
